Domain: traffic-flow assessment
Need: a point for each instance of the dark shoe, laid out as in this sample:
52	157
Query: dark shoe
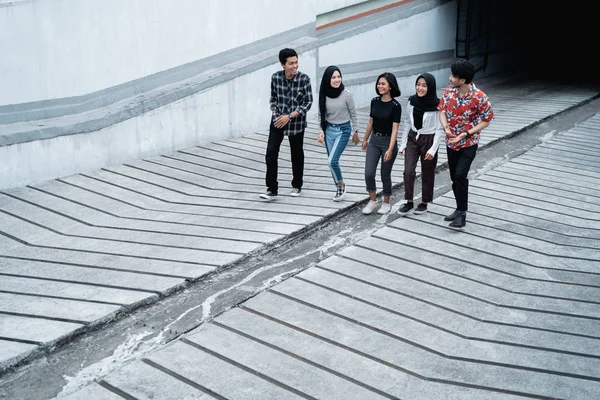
460	221
406	208
421	209
340	194
268	195
452	216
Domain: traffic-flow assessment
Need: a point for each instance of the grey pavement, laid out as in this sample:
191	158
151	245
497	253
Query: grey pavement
508	308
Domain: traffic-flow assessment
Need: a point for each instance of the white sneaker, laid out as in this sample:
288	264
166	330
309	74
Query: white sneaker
296	192
371	205
384	209
268	195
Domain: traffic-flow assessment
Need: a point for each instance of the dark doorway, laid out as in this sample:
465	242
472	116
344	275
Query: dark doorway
545	40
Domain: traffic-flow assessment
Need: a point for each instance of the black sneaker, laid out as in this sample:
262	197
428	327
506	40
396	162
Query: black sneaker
406	208
421	209
340	194
460	221
268	195
452	216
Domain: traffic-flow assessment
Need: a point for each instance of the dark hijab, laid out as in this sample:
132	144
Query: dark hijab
327	90
429	102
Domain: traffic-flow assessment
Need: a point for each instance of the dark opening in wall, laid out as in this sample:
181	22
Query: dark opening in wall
553	40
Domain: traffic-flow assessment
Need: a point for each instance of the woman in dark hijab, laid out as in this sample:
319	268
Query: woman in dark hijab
338	118
420	140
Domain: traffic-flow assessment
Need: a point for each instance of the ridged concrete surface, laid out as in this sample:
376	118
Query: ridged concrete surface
507	308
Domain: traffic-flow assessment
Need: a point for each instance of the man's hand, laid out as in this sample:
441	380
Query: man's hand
281	121
457	138
447	131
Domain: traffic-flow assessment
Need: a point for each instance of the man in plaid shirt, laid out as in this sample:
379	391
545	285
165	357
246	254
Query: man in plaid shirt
291	98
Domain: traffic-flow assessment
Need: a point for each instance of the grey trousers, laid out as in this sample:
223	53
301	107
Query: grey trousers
376	148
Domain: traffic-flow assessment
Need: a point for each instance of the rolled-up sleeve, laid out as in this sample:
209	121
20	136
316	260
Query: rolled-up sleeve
273	99
308	97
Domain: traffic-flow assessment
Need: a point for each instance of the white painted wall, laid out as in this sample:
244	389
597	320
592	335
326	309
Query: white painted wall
422	33
61	48
100	47
238	107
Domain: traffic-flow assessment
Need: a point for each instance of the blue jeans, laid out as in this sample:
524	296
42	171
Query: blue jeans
336	139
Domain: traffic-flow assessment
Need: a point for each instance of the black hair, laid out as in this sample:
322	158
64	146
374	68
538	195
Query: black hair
391	78
286	53
463	69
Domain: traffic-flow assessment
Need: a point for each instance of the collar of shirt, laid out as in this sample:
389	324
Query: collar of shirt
295	78
469	94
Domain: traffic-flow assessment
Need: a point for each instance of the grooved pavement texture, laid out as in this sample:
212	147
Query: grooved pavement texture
509	308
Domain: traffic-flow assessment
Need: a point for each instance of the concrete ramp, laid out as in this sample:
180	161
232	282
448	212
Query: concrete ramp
79	251
506	309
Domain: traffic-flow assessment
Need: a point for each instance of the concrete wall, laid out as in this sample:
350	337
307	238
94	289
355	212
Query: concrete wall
152	36
383	47
228	110
61	48
427	32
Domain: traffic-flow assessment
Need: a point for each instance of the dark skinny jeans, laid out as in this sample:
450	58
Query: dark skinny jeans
459	163
376	148
297	152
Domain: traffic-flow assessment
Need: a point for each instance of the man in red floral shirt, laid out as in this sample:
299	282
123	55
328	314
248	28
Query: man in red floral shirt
464	112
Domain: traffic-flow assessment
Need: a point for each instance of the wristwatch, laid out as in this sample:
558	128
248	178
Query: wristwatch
290	115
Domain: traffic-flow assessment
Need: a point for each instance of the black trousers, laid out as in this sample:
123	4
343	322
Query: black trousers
297	152
459	163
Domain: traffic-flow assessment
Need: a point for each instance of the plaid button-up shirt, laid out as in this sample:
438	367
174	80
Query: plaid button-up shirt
289	95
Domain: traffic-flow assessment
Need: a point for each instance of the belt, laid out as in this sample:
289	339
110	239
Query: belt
382	134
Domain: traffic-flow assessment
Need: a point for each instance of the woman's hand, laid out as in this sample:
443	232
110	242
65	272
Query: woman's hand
388	155
365	143
355	138
321	137
428	156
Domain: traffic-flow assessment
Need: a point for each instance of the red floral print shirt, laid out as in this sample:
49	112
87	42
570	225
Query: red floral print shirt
464	113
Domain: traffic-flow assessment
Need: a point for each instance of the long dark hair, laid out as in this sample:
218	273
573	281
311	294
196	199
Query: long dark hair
326	90
391	78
